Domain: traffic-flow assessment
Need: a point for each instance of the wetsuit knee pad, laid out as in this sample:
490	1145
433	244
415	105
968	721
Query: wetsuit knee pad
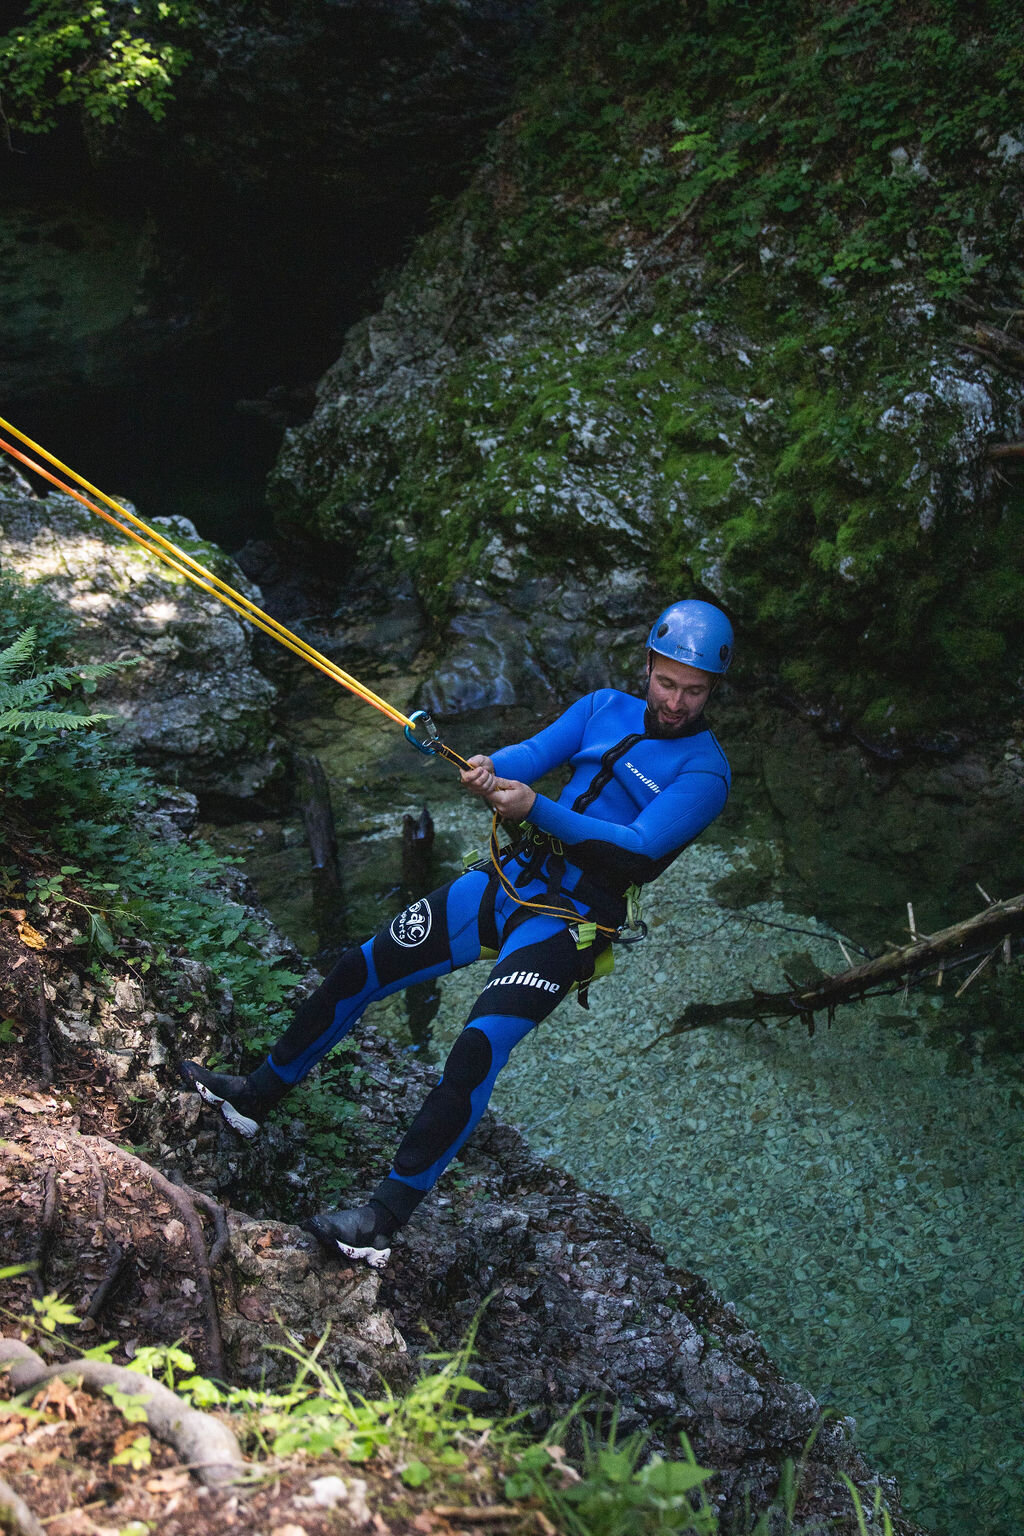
316	1015
447	1108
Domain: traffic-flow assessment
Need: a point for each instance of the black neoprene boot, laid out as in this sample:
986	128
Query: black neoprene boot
245	1102
364	1233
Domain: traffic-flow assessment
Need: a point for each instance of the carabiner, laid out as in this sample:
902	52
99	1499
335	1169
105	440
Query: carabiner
421	718
632	933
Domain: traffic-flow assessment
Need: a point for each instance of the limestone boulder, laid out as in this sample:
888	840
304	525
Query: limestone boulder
195	708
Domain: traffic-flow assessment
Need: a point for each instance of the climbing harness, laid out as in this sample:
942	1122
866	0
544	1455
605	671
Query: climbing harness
420	730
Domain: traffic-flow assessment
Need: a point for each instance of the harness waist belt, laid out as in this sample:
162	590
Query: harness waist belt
536	847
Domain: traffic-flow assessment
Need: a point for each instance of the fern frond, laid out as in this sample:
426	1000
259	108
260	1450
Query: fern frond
20	695
46	721
18	652
25	705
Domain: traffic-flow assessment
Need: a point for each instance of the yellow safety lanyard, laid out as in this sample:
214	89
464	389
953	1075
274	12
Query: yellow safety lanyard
419	728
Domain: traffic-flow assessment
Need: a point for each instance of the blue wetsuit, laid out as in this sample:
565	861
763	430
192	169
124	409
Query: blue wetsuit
632	804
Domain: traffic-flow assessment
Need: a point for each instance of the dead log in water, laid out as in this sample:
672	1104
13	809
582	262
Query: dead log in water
417	852
314	798
981	938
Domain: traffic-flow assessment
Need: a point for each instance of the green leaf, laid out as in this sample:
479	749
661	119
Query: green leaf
52	1313
674	1477
137	1455
519	1486
127	1404
415	1474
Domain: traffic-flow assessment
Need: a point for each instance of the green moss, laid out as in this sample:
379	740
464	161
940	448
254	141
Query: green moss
769	432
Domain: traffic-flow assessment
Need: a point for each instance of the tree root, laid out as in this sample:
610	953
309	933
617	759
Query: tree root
43	1019
206	1444
46	1225
115	1270
14	1512
180	1199
213	1208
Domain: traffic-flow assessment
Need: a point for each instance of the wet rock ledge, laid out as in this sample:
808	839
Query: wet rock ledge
572	1298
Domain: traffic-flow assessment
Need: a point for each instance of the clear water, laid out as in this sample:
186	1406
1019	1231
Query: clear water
857	1194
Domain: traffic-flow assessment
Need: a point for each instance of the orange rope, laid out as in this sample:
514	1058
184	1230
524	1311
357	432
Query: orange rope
184	565
541	908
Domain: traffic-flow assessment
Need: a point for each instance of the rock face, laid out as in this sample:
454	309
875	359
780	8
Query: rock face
321	128
196	708
571	1297
571	385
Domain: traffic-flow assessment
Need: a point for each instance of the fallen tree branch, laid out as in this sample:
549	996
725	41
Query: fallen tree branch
206	1444
1006	451
643	261
956	945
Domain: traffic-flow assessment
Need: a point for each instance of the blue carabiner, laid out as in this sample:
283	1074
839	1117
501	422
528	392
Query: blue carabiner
421	717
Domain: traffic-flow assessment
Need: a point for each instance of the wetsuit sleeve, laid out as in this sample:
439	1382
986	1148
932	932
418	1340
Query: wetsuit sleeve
673	818
531	759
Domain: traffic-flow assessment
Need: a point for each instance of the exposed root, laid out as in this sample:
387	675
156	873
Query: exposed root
120	1262
43	1036
101	1183
205	1444
51	1200
218	1212
181	1200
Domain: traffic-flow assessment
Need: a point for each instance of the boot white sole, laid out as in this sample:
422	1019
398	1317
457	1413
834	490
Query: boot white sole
375	1257
234	1117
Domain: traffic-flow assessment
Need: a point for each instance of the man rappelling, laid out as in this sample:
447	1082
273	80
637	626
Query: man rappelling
647	777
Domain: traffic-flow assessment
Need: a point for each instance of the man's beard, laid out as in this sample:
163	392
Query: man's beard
662	730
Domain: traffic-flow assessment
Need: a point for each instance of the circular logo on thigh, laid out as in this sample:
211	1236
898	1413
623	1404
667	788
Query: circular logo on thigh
412	926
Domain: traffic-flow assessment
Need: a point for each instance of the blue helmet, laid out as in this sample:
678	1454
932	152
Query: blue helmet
696	633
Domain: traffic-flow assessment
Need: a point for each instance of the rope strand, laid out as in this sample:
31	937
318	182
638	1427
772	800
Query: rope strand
183	564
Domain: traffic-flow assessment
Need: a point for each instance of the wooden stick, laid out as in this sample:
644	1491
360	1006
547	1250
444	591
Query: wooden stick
956	945
976	972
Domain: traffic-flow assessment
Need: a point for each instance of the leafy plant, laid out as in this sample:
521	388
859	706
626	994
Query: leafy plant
618	1490
26	702
137	1454
50	1313
100	57
322	1415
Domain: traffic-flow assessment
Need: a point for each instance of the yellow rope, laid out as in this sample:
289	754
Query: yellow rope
184	565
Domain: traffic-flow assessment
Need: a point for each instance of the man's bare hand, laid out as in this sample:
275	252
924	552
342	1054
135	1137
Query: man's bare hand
511	799
479	778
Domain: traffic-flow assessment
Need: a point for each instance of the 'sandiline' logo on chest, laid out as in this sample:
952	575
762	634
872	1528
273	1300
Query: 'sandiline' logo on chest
643	777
